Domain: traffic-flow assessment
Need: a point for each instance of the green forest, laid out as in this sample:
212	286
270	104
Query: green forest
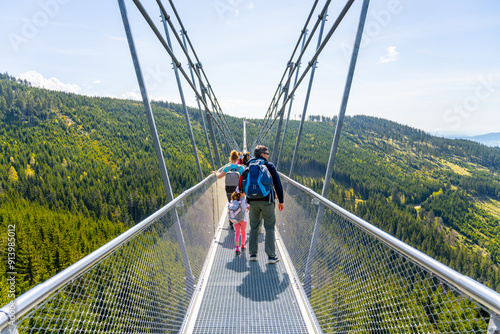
439	195
76	171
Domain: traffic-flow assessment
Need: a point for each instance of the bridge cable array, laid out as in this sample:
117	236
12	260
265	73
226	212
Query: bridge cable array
212	114
282	93
207	88
276	113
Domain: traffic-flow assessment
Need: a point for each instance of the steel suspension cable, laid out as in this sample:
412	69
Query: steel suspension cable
209	123
278	131
224	144
306	103
186	53
201	113
259	136
303	31
156	142
318	21
273	110
186	113
184	32
335	142
291	101
182	45
188	39
144	13
318	52
223	119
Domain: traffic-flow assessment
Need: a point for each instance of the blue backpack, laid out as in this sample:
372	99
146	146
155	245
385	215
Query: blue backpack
256	181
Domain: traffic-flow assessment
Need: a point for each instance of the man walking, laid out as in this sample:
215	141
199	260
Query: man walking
263	206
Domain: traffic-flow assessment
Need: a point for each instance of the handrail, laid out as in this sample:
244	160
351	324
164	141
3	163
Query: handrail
479	292
31	298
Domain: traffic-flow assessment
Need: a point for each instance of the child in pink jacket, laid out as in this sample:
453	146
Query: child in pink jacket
237	209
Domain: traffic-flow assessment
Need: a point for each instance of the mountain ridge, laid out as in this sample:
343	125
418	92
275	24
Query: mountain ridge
491	139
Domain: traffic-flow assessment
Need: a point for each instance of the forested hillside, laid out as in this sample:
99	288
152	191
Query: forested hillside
439	195
76	171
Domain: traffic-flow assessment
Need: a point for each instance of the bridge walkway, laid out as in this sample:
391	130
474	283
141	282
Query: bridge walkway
243	296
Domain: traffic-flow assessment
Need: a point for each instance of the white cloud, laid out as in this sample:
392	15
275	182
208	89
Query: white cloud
38	80
97	82
132	96
391	55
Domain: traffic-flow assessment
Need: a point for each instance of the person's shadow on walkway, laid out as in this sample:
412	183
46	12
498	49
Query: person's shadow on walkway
228	241
239	263
263	286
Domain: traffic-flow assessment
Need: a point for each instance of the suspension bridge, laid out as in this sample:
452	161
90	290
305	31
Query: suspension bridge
176	271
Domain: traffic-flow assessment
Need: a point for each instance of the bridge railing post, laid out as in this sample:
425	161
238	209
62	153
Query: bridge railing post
494	325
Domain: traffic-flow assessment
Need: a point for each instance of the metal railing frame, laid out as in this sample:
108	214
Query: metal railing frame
466	285
33	297
485	296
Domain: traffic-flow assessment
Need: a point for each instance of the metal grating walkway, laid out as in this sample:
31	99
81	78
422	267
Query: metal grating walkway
244	296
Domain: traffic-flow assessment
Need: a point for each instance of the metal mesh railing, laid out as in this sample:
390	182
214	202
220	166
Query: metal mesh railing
361	280
357	278
143	284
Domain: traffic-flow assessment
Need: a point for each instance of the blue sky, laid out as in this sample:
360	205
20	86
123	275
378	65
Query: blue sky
433	65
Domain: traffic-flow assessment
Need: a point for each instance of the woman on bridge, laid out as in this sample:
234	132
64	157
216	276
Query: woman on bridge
232	172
